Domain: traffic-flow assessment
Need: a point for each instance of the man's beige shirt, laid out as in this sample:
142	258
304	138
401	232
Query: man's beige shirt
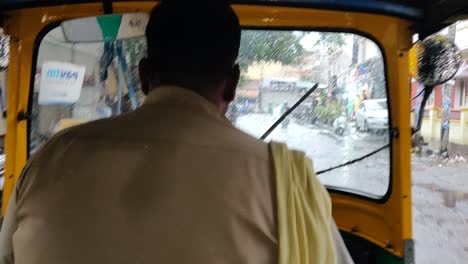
172	182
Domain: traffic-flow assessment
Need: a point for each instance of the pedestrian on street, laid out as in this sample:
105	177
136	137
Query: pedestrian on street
173	181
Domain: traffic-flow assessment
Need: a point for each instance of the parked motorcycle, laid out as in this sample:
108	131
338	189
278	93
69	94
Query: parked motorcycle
340	124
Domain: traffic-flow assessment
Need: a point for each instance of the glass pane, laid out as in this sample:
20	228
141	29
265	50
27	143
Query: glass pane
96	80
344	119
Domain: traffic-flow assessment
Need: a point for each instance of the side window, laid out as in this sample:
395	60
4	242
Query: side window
349	71
82	81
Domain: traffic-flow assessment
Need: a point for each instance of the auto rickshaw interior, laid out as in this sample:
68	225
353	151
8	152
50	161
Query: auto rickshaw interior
76	62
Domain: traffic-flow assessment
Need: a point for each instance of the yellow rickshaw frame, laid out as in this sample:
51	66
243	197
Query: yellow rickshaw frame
386	223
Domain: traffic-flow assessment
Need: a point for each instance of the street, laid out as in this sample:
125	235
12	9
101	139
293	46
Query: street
439	228
326	149
440	211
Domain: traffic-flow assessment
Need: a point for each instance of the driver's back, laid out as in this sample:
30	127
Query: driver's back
172	182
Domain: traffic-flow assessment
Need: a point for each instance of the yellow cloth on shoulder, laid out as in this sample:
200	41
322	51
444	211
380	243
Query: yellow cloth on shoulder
304	210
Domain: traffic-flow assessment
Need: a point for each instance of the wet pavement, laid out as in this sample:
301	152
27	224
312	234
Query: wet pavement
439	188
440	211
328	149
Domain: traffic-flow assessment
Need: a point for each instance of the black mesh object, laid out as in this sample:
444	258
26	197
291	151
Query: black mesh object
193	36
4	50
439	60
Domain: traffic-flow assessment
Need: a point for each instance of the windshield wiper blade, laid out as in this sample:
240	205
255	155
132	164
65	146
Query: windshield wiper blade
289	111
354	160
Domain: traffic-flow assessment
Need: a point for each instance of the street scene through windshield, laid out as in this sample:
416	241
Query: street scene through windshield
344	119
331	125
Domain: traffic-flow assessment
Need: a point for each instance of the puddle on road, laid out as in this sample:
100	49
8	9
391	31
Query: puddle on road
449	196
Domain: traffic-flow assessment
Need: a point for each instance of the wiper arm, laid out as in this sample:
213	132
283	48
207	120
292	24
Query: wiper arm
289	111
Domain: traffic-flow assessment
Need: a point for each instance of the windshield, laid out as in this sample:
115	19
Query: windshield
100	80
81	82
349	71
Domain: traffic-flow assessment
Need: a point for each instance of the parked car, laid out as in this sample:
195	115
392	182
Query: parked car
372	115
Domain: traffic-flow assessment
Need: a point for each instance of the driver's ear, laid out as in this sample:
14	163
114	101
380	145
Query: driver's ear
143	69
231	84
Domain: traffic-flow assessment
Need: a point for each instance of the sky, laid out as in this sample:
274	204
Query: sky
309	40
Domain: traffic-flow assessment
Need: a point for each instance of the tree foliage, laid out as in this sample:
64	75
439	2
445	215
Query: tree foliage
331	41
269	46
327	113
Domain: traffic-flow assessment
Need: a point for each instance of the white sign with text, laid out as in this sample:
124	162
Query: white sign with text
60	83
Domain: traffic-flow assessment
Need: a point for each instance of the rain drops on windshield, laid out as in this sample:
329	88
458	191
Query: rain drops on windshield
345	118
342	120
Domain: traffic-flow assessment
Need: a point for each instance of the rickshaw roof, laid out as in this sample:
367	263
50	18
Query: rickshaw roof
431	15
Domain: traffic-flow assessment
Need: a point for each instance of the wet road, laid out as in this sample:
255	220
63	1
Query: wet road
327	149
440	232
440	228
